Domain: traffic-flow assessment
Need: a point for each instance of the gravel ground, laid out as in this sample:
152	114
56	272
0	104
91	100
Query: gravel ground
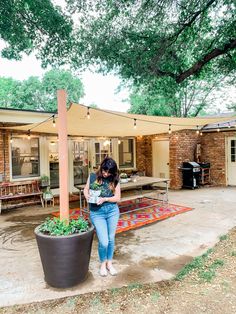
205	285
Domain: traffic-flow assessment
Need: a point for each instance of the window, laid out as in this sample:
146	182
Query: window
126	153
102	149
25	157
80	162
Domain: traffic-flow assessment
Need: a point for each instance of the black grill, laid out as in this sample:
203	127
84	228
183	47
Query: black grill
191	174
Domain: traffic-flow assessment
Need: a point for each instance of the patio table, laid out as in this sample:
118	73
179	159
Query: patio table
136	183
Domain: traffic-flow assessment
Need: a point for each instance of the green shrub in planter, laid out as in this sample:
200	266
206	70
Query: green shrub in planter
65	249
44	180
59	227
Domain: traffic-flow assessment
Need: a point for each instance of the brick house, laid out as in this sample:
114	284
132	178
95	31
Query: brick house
217	148
160	155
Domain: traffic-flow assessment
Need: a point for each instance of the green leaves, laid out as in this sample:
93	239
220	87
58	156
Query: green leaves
59	227
142	40
96	186
27	25
36	94
149	43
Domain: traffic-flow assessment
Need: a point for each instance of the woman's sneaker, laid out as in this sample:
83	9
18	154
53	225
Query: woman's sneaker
103	272
112	270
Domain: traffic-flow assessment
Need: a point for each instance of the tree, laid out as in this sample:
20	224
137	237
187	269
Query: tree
58	79
142	40
193	97
8	91
28	25
36	94
165	43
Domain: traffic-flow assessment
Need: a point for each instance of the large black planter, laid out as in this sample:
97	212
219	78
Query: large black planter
65	259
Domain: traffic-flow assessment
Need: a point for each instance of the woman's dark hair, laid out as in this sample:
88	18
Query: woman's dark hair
109	164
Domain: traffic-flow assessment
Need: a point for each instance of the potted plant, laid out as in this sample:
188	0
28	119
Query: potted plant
44	181
65	249
123	177
47	195
94	192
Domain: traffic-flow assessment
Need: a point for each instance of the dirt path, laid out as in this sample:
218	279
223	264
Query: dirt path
206	285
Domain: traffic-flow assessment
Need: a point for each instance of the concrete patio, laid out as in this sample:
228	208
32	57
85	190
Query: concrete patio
152	253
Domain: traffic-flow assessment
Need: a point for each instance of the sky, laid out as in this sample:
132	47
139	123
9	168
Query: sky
99	89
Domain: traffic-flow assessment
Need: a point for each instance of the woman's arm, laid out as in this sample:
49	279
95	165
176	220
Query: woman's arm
113	199
86	189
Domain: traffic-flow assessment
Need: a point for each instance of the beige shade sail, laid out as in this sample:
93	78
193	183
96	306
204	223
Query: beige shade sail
116	124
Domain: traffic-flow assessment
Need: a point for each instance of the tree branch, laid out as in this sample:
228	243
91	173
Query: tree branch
207	58
192	20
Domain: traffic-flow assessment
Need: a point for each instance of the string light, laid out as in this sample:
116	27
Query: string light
106	143
29	135
88	113
53	121
127	117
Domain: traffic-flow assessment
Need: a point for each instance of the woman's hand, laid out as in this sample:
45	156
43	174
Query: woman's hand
101	200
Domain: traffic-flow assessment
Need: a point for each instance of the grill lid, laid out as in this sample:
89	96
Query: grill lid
191	164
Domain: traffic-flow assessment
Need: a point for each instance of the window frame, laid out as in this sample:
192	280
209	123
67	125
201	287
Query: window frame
134	153
23	178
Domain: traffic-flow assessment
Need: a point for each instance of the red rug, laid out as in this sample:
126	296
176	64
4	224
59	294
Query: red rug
154	211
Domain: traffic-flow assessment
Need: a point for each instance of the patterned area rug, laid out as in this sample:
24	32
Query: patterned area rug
149	211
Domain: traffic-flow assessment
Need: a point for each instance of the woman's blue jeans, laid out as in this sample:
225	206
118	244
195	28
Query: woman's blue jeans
105	222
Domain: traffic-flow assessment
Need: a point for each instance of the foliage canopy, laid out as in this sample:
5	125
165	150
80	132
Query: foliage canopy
142	40
139	39
163	47
36	94
35	25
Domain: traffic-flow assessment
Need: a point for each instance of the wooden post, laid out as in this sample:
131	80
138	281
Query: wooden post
63	155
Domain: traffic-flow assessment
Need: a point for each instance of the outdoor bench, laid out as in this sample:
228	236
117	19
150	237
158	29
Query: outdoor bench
15	191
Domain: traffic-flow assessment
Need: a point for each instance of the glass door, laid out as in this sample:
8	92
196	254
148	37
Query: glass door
53	162
80	162
231	161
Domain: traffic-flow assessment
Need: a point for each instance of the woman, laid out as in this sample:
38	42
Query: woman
105	213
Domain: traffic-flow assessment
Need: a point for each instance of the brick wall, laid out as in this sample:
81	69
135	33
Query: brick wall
4	155
182	148
140	153
213	149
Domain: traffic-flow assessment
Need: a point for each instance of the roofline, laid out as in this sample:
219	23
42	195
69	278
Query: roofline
222	129
26	110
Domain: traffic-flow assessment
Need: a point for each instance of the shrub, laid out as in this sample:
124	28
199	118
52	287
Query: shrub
59	227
